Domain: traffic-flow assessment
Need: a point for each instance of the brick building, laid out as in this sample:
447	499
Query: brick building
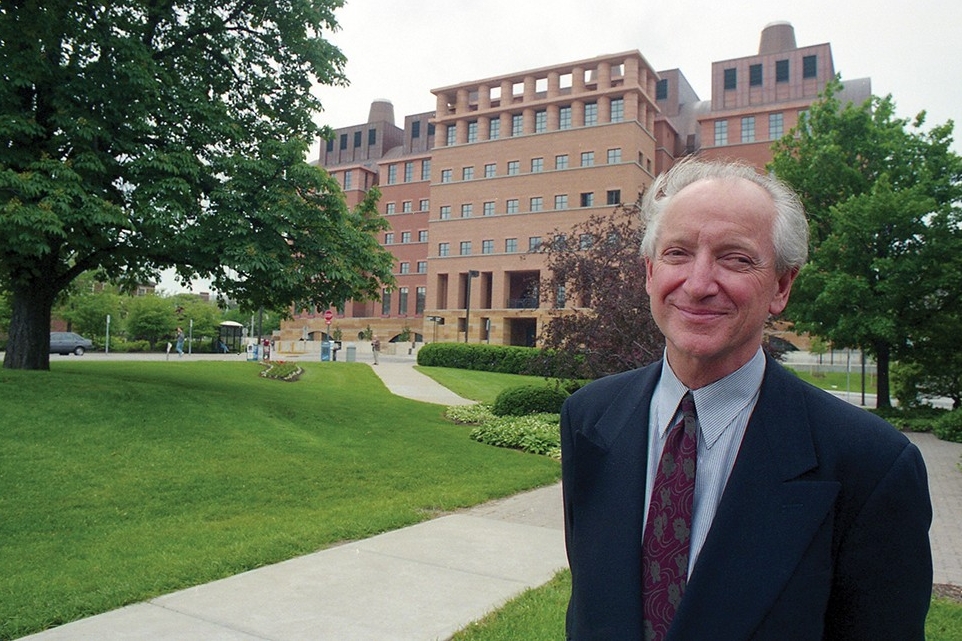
505	163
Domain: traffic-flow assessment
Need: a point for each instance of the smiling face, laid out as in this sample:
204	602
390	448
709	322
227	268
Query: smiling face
712	279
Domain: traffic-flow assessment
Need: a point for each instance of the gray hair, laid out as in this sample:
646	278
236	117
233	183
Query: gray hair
789	228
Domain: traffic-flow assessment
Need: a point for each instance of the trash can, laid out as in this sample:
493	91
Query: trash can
326	350
351	353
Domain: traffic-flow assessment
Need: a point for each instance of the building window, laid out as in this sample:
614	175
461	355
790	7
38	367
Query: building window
467	173
721	133
731	79
587	158
776	126
591	114
517	124
618	110
487	209
514	167
748	129
424	204
452	135
445	175
406	207
561	162
405	237
391	174
661	89
510	245
534	243
614	156
348	179
810	67
405	268
755	75
444	249
402	301
561	201
494	132
425	170
422	267
389	209
385	302
585	241
466	210
343	142
357	139
537	203
415	130
564	118
389	238
537	165
473	131
540	121
512	206
445	212
559	299
487	246
330	145
420	296
465	247
423	236
408	172
781	71
613	197
490	170
587	199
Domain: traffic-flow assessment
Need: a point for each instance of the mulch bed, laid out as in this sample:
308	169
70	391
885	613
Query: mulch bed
946	591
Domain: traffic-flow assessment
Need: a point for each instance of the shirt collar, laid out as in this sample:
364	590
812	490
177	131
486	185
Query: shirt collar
717	404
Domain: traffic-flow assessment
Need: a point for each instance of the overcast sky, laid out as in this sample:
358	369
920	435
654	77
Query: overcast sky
400	50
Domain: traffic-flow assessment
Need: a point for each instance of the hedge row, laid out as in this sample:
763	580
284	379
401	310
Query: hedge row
505	359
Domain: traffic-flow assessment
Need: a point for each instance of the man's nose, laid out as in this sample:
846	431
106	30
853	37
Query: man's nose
700	281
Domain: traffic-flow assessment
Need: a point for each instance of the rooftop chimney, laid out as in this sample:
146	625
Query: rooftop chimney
777	37
381	111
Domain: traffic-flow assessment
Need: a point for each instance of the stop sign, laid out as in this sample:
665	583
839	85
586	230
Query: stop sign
328	315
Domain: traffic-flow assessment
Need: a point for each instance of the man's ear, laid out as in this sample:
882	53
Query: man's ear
780	300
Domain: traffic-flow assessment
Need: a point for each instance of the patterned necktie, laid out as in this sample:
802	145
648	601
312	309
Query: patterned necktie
665	544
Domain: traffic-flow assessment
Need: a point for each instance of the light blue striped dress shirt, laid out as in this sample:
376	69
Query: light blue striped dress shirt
723	410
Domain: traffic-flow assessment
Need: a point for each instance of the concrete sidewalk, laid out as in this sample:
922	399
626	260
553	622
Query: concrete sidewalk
424	582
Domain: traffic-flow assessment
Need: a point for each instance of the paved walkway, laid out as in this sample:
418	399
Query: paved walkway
424	582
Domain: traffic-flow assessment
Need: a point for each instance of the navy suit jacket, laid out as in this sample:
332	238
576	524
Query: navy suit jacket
821	533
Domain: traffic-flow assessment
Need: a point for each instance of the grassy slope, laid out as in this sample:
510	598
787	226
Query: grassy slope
124	480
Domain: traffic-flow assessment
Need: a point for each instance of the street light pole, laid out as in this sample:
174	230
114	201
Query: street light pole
467	304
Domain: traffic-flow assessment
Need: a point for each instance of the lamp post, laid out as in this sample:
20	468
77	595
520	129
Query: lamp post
467	304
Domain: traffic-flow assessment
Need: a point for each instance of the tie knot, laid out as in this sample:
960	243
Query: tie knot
688	404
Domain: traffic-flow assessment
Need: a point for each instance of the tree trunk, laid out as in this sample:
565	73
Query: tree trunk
882	398
28	345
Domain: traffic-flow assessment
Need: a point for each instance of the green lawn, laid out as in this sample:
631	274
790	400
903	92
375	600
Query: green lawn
120	481
483	387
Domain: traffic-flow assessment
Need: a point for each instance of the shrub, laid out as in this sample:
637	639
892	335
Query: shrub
504	359
469	414
948	427
536	433
529	399
920	418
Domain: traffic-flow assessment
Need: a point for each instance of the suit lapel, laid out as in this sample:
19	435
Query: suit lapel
765	521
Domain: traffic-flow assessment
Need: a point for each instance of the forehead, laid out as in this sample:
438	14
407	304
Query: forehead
734	206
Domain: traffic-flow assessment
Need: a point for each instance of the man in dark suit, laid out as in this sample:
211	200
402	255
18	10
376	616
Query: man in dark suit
808	518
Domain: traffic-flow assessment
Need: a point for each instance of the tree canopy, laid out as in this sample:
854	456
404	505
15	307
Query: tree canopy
882	196
140	135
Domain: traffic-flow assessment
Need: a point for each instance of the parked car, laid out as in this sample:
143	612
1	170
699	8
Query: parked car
69	343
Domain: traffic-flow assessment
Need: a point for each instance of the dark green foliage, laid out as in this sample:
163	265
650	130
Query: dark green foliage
919	418
506	359
948	427
529	399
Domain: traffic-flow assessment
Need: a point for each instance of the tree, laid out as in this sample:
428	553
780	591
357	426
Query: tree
601	322
882	197
151	318
141	135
